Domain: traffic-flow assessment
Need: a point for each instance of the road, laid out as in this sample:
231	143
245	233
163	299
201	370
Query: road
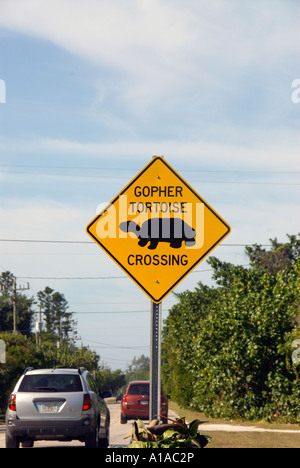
117	433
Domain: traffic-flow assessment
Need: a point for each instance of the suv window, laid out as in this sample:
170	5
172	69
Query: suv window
51	383
139	389
92	384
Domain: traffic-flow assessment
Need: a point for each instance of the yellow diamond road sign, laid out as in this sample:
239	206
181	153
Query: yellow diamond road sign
157	229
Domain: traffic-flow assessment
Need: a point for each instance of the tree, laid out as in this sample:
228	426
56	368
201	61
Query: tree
139	369
6	282
23	306
58	321
20	353
110	381
68	356
280	257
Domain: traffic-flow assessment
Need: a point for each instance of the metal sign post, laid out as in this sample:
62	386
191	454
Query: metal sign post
155	361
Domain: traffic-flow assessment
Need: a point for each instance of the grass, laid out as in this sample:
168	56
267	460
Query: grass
221	439
253	440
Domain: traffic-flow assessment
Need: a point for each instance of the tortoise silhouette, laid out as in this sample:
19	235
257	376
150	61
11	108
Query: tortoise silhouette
156	230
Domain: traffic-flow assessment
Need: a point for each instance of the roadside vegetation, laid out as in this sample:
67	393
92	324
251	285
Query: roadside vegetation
54	345
22	352
243	439
227	349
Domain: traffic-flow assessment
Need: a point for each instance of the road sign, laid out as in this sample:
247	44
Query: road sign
158	229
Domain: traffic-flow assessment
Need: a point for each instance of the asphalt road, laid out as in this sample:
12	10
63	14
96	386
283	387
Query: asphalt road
117	433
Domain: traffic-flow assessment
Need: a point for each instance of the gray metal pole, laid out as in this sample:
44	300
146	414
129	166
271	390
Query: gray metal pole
155	361
14	299
40	325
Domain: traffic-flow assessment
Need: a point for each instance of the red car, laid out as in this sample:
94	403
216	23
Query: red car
135	402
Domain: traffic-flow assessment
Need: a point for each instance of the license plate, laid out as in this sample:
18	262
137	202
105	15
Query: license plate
49	408
144	403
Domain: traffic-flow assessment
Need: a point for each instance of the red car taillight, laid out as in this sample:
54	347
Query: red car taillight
87	402
12	402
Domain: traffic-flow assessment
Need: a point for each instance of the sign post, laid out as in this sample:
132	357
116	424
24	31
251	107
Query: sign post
155	361
158	229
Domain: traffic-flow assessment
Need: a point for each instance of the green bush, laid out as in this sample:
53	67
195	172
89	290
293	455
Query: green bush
227	349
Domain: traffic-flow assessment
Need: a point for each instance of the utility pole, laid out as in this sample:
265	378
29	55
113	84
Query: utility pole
14	302
39	328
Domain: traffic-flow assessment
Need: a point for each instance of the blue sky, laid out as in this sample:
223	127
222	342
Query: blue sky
94	89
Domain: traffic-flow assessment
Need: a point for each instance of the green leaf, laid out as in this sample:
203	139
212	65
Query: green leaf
193	427
140	444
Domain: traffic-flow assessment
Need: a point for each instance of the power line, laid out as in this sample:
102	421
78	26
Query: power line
118	177
72	277
108	345
47	241
99	277
92	242
63	175
114	359
236	171
30	254
114	312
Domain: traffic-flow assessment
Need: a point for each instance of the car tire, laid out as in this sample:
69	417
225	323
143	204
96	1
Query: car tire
92	439
123	419
28	443
104	443
11	441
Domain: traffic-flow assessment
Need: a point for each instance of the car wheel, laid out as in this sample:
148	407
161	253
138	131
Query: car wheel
92	439
123	419
11	441
104	443
28	443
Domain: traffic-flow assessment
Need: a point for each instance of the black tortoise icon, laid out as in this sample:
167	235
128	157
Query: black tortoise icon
156	230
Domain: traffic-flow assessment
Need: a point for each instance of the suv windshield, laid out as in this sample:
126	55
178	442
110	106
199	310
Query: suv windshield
139	389
51	383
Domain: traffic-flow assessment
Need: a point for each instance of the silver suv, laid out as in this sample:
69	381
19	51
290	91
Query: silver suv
57	404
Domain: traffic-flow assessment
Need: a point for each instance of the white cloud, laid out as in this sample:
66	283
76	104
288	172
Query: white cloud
267	151
28	218
158	47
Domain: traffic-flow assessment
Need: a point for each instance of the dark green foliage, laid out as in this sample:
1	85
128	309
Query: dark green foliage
138	370
227	349
21	352
24	307
54	307
178	435
110	381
